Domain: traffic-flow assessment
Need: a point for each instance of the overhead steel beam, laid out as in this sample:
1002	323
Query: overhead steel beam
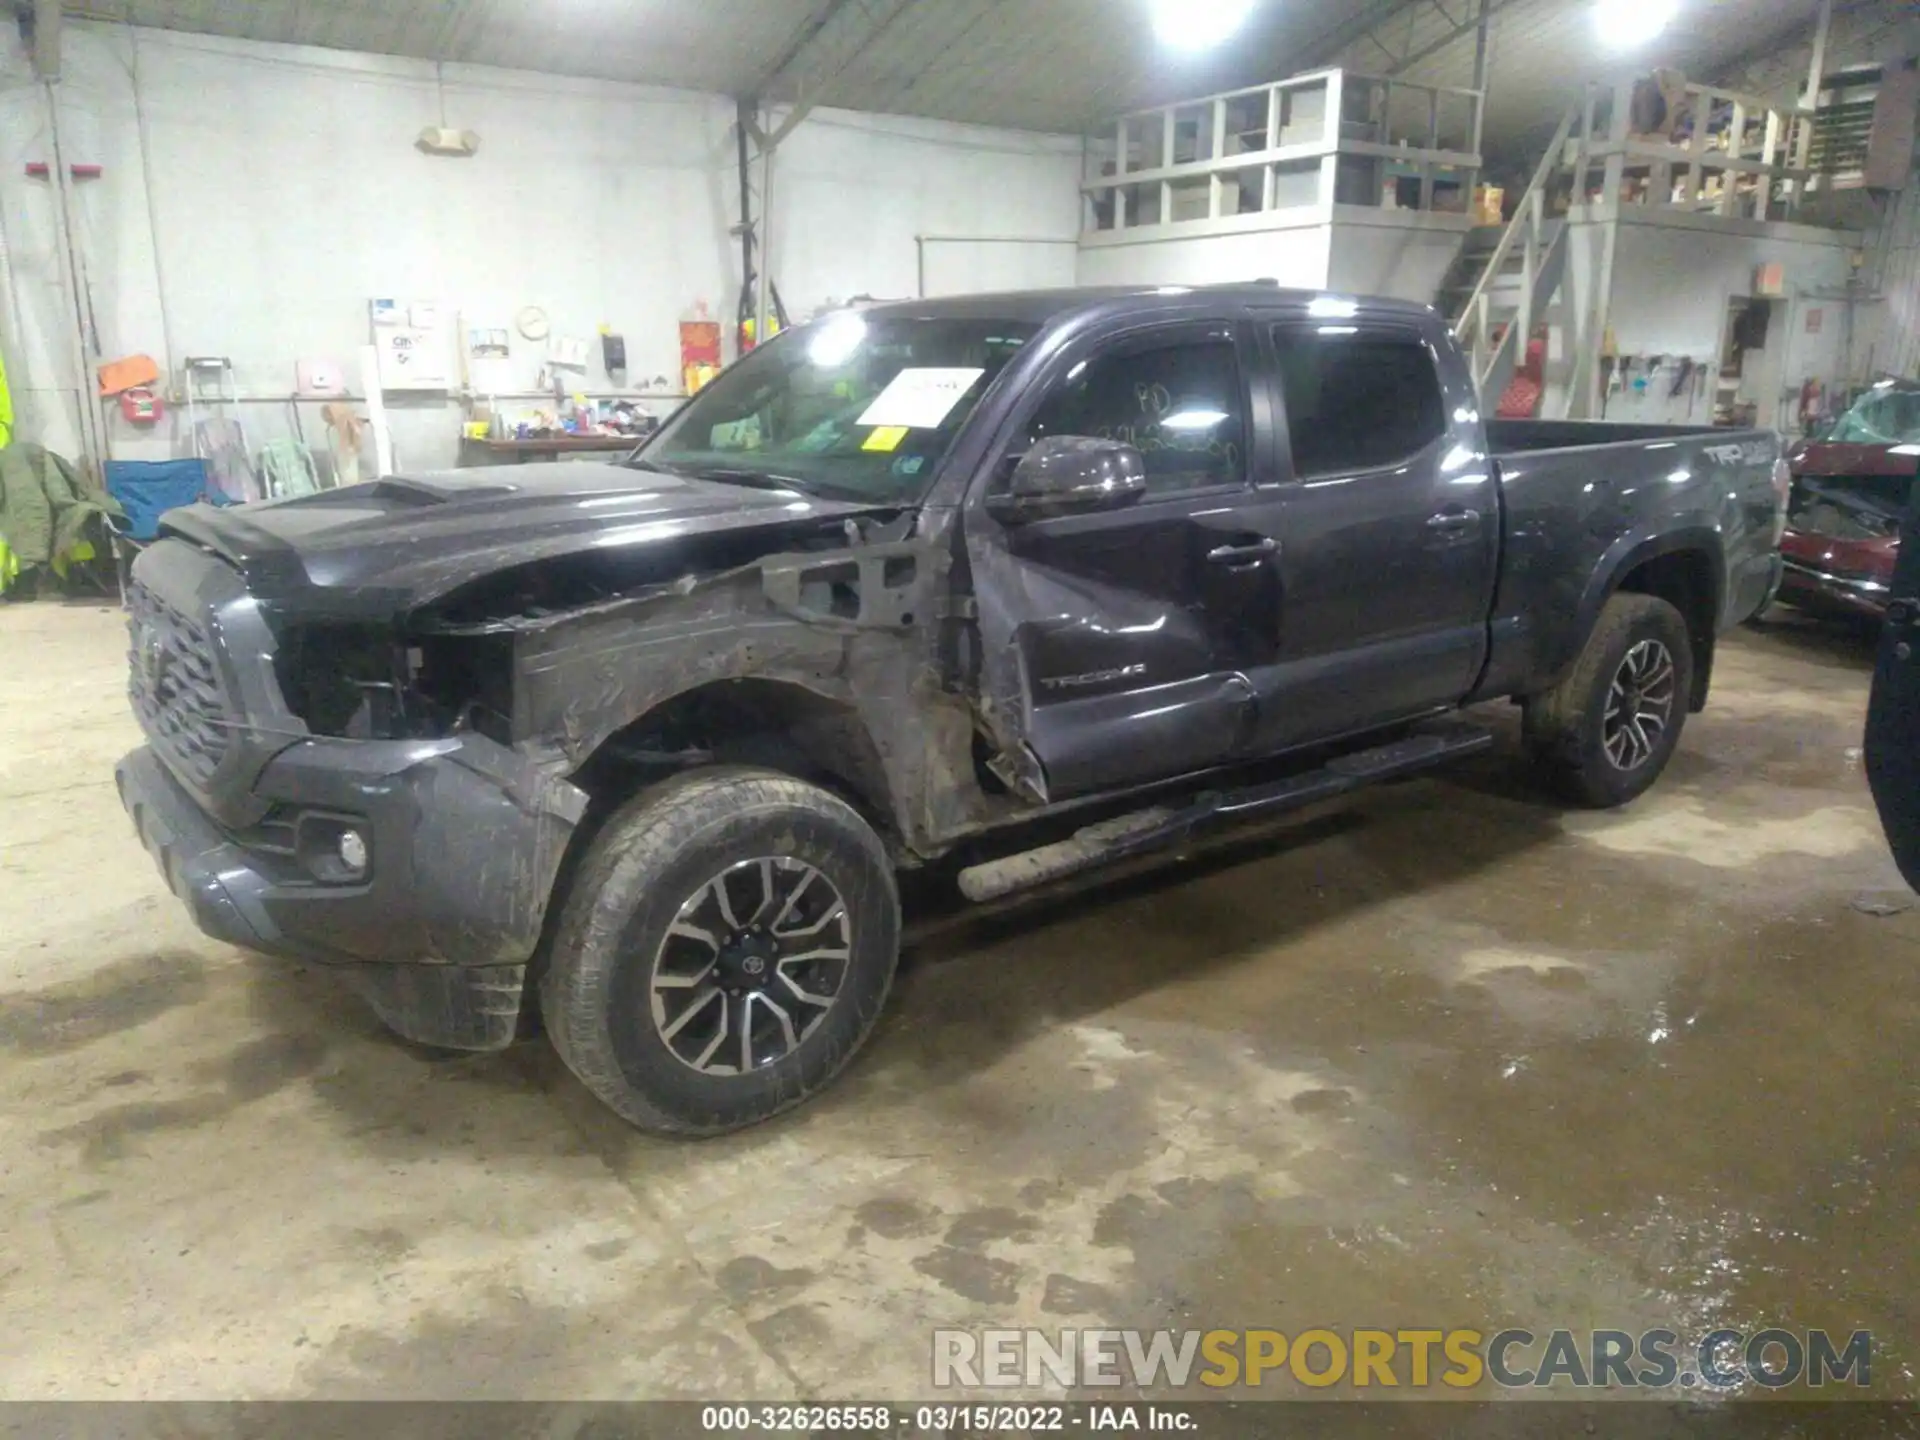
1370	17
1475	25
1770	64
456	24
757	287
1369	24
46	39
811	90
936	56
1482	42
802	41
1817	66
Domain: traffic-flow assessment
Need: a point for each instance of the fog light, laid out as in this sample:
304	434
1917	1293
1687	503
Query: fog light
353	851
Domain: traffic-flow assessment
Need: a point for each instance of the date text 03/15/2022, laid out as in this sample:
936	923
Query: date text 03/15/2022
944	1419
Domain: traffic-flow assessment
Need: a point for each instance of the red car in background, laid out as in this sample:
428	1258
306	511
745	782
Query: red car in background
1849	494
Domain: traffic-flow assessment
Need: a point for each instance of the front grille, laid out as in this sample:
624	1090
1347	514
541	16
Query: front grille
175	686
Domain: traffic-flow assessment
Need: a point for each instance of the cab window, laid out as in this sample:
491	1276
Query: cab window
1357	401
1181	403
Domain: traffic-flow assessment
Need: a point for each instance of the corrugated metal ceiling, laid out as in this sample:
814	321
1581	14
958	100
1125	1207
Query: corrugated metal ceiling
1542	52
1034	64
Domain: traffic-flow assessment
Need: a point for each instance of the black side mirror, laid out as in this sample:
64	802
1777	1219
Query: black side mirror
1070	474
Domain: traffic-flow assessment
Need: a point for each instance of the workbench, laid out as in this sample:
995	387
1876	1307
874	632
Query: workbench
550	447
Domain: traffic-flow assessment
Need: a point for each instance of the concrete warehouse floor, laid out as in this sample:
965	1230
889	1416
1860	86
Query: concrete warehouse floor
1443	1056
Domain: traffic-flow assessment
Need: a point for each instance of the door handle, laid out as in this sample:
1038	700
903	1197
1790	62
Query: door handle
1454	520
1243	554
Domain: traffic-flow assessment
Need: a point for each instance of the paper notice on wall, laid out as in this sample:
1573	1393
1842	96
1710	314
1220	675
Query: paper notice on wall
567	352
920	399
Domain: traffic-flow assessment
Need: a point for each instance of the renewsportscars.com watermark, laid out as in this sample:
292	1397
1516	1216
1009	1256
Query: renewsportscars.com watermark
1721	1360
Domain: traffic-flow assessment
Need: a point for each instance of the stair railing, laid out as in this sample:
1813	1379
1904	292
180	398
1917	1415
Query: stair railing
1474	326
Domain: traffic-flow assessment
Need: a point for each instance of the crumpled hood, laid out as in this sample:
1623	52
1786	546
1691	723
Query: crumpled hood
394	544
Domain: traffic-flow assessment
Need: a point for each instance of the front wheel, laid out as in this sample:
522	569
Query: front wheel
725	948
1606	732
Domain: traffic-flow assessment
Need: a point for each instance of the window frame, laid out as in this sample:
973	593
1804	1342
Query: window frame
1142	335
1273	331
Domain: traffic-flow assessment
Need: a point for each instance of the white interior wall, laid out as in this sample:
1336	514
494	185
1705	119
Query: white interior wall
1362	253
1402	256
1672	281
285	193
1887	324
1295	257
956	265
852	193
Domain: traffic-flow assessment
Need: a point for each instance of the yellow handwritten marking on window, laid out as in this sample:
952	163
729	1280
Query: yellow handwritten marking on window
885	437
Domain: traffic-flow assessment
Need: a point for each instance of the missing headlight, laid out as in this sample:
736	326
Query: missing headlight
360	682
344	679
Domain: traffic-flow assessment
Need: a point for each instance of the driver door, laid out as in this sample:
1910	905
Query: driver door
1117	642
1893	712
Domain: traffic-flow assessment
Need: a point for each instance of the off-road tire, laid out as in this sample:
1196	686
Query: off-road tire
654	854
1565	727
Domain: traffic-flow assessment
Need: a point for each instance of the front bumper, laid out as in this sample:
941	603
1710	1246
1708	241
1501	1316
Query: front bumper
1801	583
465	839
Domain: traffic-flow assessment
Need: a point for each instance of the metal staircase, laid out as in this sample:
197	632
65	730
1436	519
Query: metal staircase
1509	285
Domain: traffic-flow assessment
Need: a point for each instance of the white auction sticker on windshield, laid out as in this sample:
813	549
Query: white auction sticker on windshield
920	399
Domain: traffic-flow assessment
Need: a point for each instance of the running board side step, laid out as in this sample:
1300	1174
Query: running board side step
1145	830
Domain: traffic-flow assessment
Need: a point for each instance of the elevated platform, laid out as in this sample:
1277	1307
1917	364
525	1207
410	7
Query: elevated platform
1330	179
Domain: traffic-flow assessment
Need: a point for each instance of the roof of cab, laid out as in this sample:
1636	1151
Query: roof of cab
1037	307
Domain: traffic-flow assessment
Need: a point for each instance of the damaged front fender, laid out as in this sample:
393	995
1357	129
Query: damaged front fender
854	627
465	839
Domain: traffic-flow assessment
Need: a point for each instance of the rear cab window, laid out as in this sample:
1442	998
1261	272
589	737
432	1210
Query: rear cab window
1358	397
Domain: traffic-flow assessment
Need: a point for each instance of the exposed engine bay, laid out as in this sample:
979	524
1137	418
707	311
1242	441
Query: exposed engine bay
1855	507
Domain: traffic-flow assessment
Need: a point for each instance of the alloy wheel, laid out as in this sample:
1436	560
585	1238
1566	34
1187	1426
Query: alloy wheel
1639	705
753	961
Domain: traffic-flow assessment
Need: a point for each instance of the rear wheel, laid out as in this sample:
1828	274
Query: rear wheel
1606	732
725	948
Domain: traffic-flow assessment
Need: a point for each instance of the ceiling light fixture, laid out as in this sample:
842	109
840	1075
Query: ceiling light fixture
1628	24
1195	25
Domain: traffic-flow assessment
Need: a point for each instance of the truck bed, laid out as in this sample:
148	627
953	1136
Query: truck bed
1582	502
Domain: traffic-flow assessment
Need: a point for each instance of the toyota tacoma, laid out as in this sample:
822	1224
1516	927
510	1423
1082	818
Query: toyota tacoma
1020	584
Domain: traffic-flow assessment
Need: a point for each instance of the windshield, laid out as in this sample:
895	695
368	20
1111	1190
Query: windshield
1882	417
851	407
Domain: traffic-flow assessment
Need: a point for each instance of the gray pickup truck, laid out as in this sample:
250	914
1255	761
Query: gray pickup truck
1015	584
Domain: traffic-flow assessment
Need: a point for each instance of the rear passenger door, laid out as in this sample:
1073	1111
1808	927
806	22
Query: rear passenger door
1389	530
